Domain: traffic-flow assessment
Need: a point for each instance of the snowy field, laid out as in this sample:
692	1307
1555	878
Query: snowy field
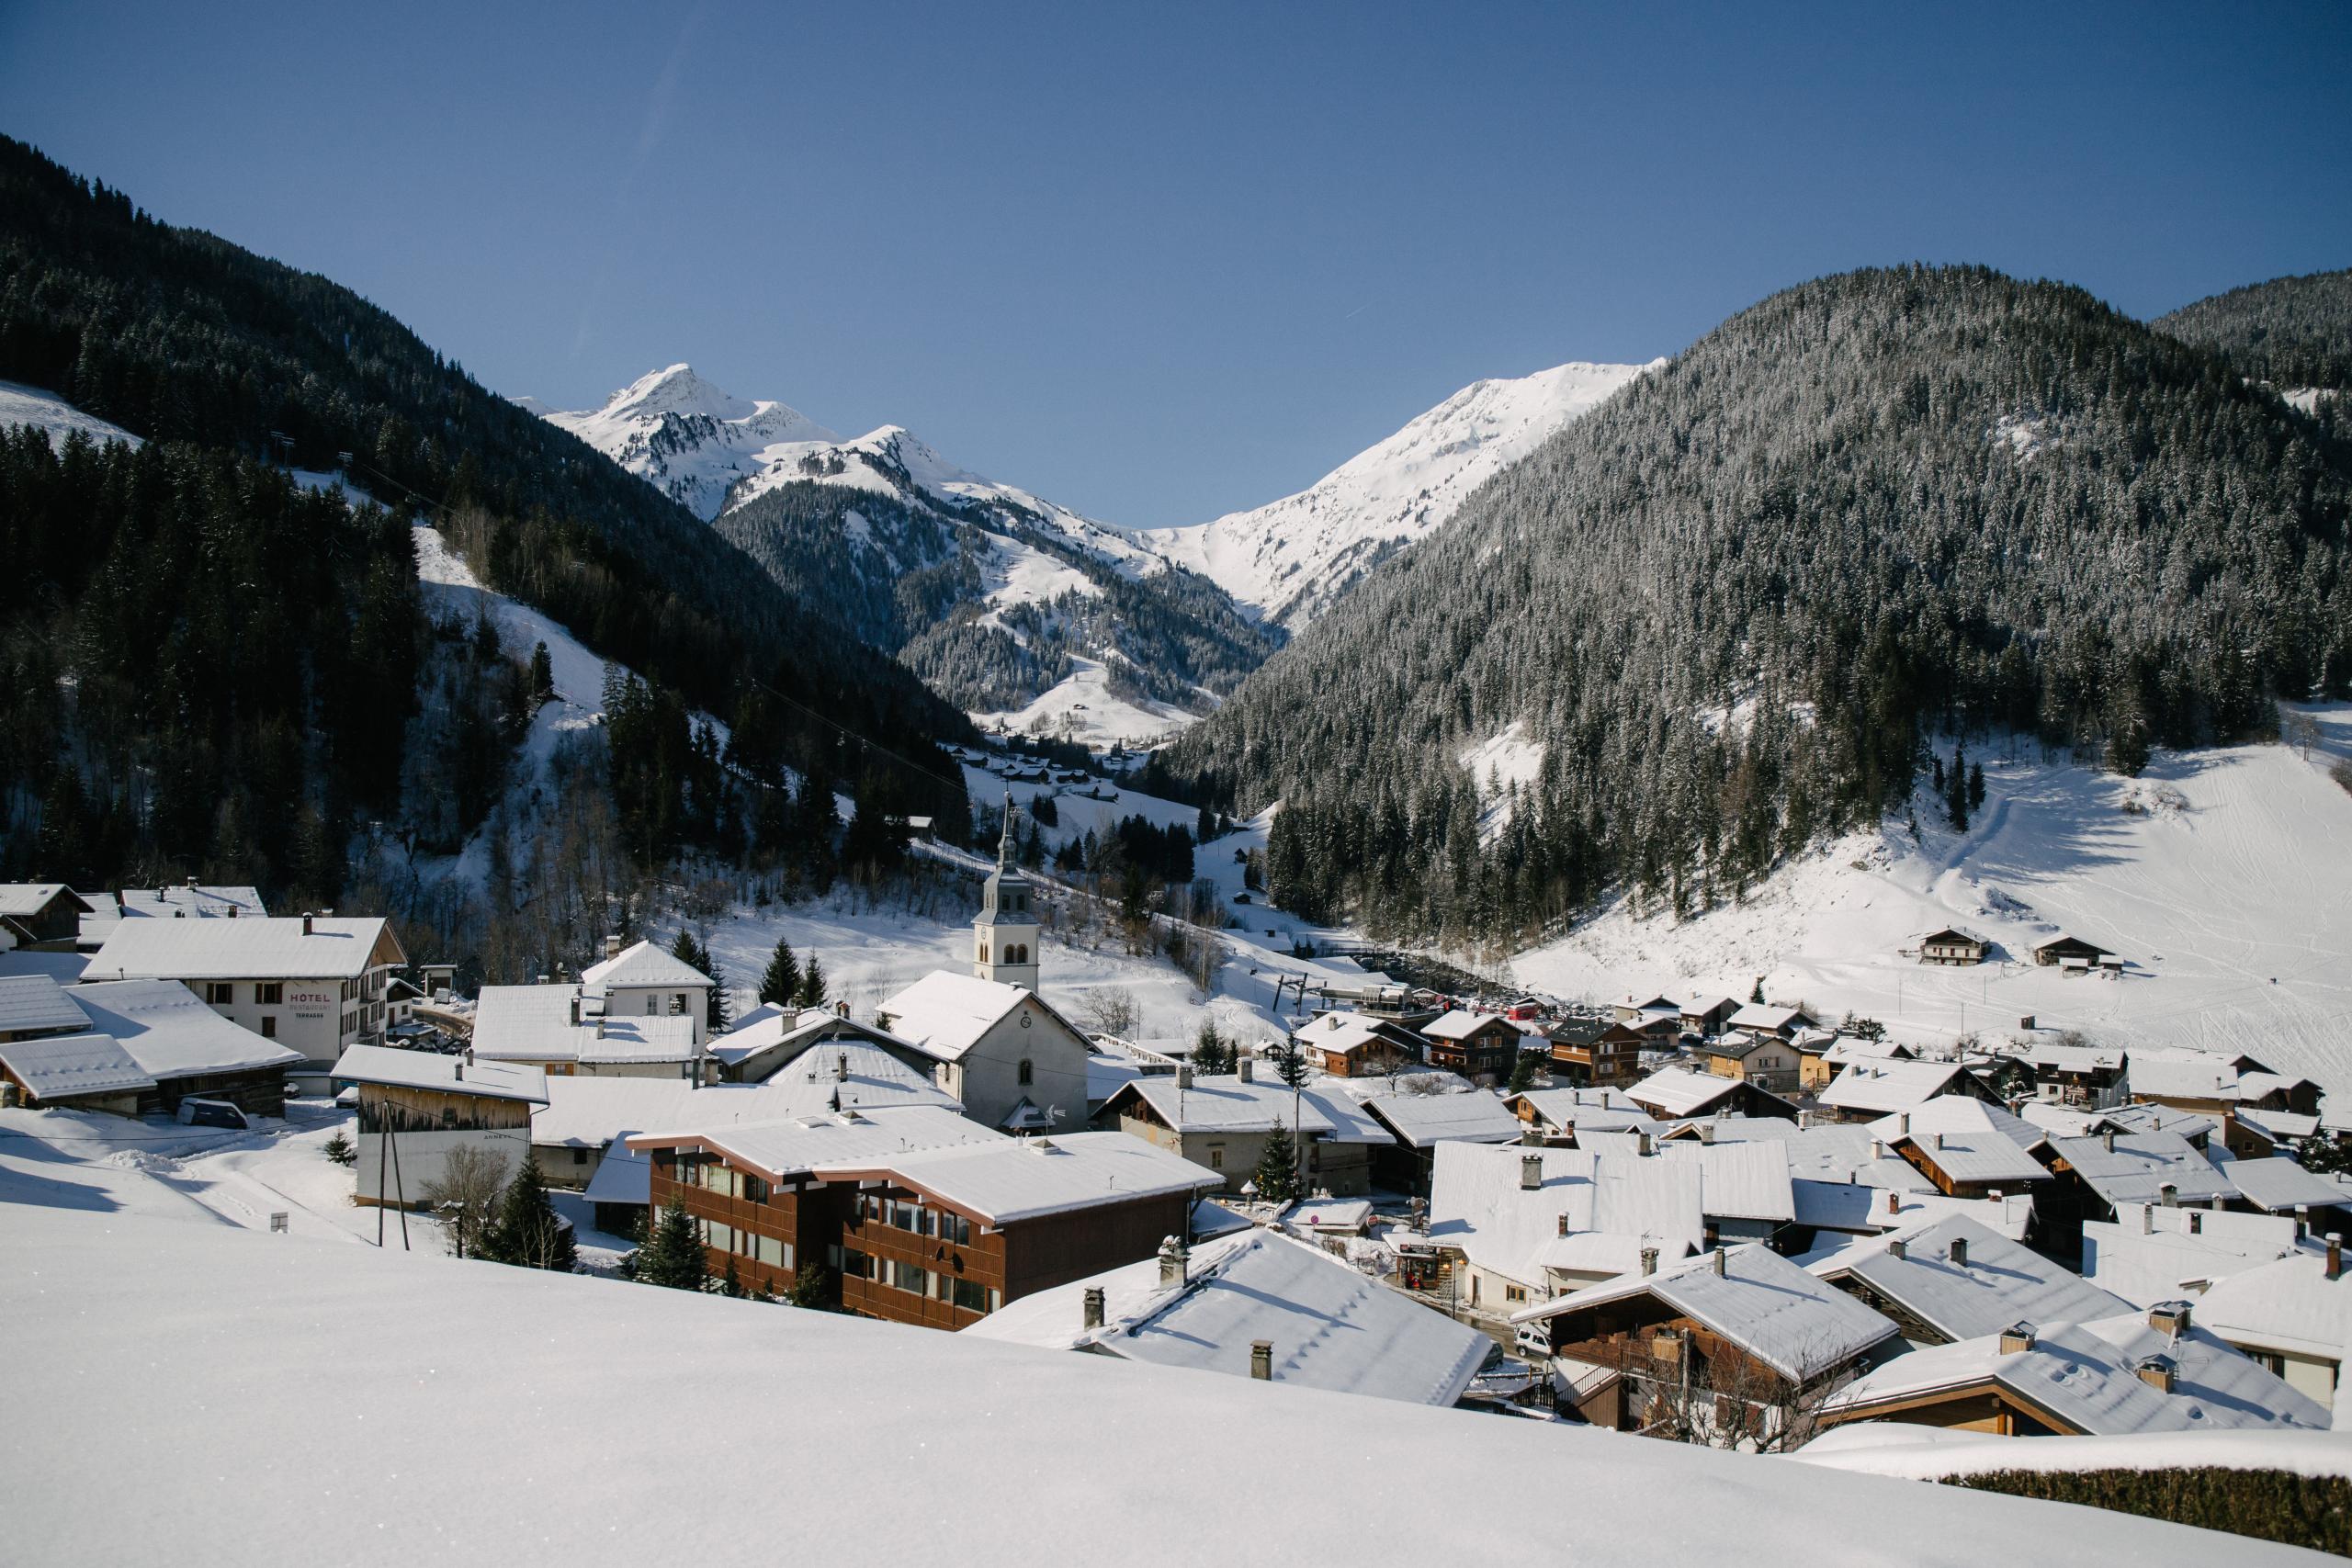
1080	707
20	404
2222	878
207	1395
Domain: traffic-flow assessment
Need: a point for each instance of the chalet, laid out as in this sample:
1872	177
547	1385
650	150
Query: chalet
417	1107
2089	1076
1673	1094
1724	1345
1762	1018
1827	1211
1966	1147
1513	1225
1708	1015
2061	950
2279	1186
767	1040
35	1005
1820	1058
77	1072
1587	1053
1766	1060
642	981
924	1216
1223	1122
311	983
1254	1304
1868	1090
1638	1011
1953	1279
565	1031
2294	1315
39	914
1745	1192
1419	1124
1556	1113
2262	1135
1952	946
188	901
2110	1175
1352	1045
2108	1377
132	1047
1477	1046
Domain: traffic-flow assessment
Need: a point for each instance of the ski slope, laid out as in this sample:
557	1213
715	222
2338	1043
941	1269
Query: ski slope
2222	878
20	404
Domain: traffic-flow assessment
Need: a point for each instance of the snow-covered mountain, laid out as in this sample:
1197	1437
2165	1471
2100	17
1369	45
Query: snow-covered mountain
1292	559
686	437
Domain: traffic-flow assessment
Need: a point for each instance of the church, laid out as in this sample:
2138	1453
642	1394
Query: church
1014	1061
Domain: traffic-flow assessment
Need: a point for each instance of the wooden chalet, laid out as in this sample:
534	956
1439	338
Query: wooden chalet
2061	950
1766	1060
1476	1045
1587	1053
417	1107
40	914
1952	946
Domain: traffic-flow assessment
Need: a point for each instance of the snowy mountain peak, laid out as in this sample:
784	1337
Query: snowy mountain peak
687	438
1294	558
676	390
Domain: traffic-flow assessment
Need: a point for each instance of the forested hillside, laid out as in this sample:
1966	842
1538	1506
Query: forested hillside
187	634
1733	608
2291	332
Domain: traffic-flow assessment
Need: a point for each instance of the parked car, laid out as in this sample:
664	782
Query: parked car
194	1113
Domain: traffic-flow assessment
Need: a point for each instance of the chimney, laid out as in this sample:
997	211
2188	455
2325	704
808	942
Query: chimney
1903	1123
1563	1225
1643	1146
1243	1067
2170	1193
1894	1202
306	925
1940	1142
2016	1338
1184	1075
2195	1223
2107	1140
840	1009
2169	1318
1706	1132
1093	1306
2147	1219
1261	1360
1531	1172
841	1067
1899	1249
575	1010
458	1071
191	882
600	1027
2334	1254
1959	1252
1715	1261
2156	1372
612	944
469	1054
1649	1261
1172	1262
1878	1148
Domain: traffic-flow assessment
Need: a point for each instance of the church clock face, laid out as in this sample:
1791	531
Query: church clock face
1025	1021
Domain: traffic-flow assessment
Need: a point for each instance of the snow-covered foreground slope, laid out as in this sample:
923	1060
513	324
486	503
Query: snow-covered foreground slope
2224	877
1292	559
209	1395
21	404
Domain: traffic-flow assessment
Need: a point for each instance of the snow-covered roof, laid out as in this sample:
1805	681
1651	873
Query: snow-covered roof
334	948
1677	1091
1890	1085
1344	1033
592	1111
1479	1205
1853	1207
1012	1180
1567	1107
449	1075
183	901
1742	1180
1848	1049
1310	1215
2279	1186
790	1031
1424	1120
23	900
795	1145
2180	1074
1798	1326
1330	1326
61	1066
1993	1283
2086	1376
171	1034
31	1002
623	1176
946	1013
642	964
1968	1140
2278	1126
1460	1025
1772	1019
2140	1165
2145	1266
534	1023
1221	1102
2289	1304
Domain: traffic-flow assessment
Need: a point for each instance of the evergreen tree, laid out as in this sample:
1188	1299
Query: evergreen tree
780	987
1290	1064
813	1287
732	1285
719	1012
1975	786
528	1233
674	1256
1211	1054
1277	1173
1956	794
542	674
1522	1073
338	1149
1756	992
689	951
812	983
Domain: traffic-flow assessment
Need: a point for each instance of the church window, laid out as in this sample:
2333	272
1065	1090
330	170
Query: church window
1028	1072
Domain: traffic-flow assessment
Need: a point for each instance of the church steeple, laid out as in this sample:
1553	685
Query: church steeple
1004	933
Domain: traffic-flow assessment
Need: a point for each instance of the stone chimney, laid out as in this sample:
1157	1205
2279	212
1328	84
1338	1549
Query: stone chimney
1261	1360
1184	1075
1878	1148
1649	1259
1715	1261
1094	1306
457	1072
1898	1248
1643	1145
2147	1219
841	1067
2170	1193
1172	1262
1959	1252
2334	1254
1894	1202
2016	1338
1706	1132
1531	1172
1245	1067
612	944
2107	1140
840	1009
600	1027
2157	1373
1940	1142
1903	1123
1563	1225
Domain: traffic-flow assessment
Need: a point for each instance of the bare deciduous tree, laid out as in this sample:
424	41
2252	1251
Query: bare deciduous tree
466	1196
1113	1010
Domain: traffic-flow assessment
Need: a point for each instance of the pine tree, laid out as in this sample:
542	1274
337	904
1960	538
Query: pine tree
812	1286
1290	1064
719	1020
1976	786
1277	1172
674	1256
1522	1073
542	674
1210	1052
812	983
1956	794
780	987
732	1285
1756	992
338	1149
528	1233
689	951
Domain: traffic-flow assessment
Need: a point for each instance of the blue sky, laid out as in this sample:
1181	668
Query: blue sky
1162	261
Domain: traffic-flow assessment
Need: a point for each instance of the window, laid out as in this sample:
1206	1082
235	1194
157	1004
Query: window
677	1003
755	1190
984	952
270	994
856	1265
774	1253
955	1229
219	993
1028	1072
579	1156
448	1116
907	1277
1216	1156
1514	1292
971	1297
269	1027
653	1005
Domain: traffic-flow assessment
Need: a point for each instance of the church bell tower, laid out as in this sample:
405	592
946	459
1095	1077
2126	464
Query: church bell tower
1004	933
